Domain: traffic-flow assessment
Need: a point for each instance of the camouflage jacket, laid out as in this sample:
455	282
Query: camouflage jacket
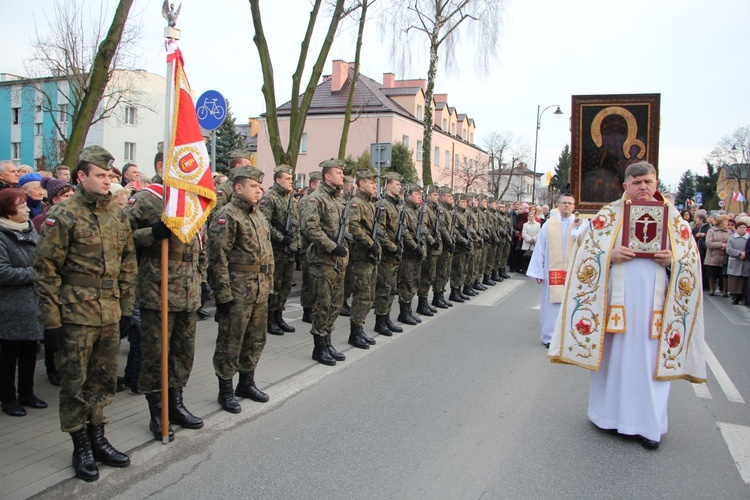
430	218
461	234
389	223
85	266
320	225
361	220
301	204
445	212
186	261
410	231
240	254
274	205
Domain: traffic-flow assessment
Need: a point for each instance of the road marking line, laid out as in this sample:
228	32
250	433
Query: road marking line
737	438
721	376
491	299
701	390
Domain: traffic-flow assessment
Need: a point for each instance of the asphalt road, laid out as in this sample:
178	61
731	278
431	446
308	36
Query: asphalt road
465	405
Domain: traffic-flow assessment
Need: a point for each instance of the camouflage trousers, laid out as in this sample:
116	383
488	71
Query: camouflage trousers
348	282
306	297
442	272
490	261
459	267
241	338
427	275
87	364
502	258
362	276
283	276
469	265
181	341
327	287
385	288
479	262
408	278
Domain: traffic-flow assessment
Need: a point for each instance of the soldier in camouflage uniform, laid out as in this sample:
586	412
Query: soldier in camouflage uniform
462	252
443	268
327	259
185	267
278	205
84	277
241	262
473	229
237	158
490	269
489	241
349	188
306	298
364	255
385	287
506	236
414	253
434	249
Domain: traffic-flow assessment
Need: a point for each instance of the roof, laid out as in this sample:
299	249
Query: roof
402	91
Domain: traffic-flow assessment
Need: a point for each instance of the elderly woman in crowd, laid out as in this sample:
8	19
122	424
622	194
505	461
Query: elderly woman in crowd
32	185
18	305
716	255
57	192
529	233
738	266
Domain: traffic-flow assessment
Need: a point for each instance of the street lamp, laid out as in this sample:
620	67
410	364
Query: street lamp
558	112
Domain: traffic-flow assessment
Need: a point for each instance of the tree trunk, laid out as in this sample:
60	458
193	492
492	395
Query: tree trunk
353	87
98	79
428	120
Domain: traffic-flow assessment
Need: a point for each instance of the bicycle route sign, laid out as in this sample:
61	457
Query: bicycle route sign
211	108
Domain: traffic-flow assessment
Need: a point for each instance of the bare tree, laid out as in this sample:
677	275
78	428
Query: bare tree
732	156
440	22
78	51
506	154
471	174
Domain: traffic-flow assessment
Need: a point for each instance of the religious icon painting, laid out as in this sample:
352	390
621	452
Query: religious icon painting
644	228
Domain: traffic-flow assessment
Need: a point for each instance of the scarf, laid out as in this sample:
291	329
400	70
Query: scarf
14	226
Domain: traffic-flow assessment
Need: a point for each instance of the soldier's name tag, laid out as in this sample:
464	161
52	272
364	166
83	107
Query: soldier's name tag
50	222
221	222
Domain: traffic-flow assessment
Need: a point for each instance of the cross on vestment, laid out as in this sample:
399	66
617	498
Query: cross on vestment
616	318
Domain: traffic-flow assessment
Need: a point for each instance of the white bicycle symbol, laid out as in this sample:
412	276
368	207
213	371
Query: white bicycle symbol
210	107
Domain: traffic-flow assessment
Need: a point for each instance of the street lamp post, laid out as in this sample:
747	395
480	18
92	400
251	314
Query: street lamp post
539	114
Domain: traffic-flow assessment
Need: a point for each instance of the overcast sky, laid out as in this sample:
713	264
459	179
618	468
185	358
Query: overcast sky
694	53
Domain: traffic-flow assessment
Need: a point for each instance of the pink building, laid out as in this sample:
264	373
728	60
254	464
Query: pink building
392	111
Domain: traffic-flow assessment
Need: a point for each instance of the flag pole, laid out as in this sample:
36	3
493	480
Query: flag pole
170	33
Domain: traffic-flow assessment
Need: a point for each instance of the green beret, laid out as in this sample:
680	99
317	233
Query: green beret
283	168
391	176
445	190
332	163
98	156
248	172
316	176
240	153
366	173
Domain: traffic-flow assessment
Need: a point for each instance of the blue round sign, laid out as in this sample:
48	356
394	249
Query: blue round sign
211	108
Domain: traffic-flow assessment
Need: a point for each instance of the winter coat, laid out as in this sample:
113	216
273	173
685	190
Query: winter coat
737	266
19	312
530	233
715	255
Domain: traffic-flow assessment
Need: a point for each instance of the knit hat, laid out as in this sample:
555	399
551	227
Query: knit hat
30	177
53	186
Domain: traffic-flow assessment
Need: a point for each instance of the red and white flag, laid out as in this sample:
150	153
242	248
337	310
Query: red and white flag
737	196
189	188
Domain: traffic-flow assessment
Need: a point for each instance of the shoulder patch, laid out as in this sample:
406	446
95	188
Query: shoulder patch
313	200
50	222
221	221
263	201
219	191
131	201
353	205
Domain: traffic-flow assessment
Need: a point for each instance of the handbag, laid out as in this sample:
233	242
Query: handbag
528	252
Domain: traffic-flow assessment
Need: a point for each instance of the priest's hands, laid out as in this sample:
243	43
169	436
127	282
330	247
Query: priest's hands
621	253
539	281
663	257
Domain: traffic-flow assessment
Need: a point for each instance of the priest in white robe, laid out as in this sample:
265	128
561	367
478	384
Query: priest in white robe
636	322
550	259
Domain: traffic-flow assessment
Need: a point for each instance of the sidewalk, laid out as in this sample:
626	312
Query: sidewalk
36	454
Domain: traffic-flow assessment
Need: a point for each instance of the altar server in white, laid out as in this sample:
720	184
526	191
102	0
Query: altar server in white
636	322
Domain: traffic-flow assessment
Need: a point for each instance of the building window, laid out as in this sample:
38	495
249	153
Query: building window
38	108
63	115
437	156
62	146
447	159
453	129
456	161
16	149
129	151
419	112
303	144
301	180
130	115
405	141
445	124
419	150
15	114
37	129
464	135
471	138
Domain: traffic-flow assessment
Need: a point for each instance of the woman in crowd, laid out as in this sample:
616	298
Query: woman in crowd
738	266
688	216
700	229
57	192
716	255
18	305
529	233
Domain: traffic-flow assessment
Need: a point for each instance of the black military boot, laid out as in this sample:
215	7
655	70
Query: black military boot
320	351
357	337
391	325
496	277
345	310
503	274
468	291
154	408
415	317
178	414
246	388
446	303
226	396
306	315
103	451
422	307
332	350
273	328
367	338
83	458
433	309
488	281
381	327
283	324
455	296
477	285
404	316
436	301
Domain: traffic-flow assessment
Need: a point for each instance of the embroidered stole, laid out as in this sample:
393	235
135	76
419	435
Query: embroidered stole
558	263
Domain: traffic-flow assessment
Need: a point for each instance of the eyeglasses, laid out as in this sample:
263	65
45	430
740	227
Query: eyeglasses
566	203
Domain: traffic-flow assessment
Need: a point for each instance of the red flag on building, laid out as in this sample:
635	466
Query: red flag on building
189	188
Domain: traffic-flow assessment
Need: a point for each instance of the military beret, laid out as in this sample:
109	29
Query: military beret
249	172
283	168
316	176
366	173
413	188
30	177
445	190
348	179
332	163
391	176
432	188
491	199
482	196
461	196
240	153
97	155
